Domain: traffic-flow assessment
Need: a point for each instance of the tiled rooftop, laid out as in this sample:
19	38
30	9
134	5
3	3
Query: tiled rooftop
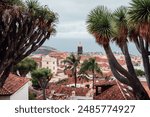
114	92
64	91
12	84
144	83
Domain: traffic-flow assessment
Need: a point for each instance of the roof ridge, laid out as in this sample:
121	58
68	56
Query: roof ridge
121	90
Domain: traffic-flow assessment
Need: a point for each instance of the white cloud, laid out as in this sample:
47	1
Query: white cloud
73	13
74	35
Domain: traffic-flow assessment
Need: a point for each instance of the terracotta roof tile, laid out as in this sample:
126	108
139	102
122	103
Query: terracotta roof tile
114	92
144	83
4	91
66	91
12	84
37	59
101	59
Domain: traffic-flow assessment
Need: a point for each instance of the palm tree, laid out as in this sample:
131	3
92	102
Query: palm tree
101	25
90	65
120	37
121	34
72	63
139	17
43	76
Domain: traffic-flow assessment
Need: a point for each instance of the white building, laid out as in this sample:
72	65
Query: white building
50	63
15	88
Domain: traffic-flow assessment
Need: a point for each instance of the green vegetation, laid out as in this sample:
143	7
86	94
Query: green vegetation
92	66
139	72
35	83
72	63
62	81
25	66
32	96
43	76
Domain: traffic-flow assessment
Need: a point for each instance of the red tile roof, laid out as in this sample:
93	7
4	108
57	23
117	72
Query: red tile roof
13	84
115	92
58	55
105	82
83	58
79	80
100	59
144	83
37	59
104	64
67	91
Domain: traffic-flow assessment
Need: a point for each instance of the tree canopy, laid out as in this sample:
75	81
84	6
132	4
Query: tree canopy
92	66
72	63
25	66
42	76
121	26
24	27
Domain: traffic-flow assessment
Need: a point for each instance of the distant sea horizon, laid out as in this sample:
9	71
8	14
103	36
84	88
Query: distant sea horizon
89	45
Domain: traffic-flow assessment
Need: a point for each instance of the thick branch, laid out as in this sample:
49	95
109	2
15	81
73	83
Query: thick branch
136	41
133	81
5	75
128	60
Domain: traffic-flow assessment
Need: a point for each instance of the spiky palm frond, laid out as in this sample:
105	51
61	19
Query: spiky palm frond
72	62
45	13
133	32
99	24
120	25
90	65
120	16
139	14
16	2
32	5
139	11
46	17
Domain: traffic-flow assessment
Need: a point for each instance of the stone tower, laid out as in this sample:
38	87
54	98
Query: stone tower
80	49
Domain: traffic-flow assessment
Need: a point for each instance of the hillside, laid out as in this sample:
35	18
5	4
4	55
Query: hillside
44	50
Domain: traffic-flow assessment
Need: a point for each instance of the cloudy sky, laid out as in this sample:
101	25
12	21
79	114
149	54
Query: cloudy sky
72	17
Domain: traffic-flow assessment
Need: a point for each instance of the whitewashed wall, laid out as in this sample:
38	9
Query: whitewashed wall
21	94
49	62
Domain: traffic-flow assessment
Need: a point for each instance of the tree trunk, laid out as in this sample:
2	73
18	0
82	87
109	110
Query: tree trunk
128	60
75	77
23	73
44	94
93	78
146	66
144	50
5	75
120	71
